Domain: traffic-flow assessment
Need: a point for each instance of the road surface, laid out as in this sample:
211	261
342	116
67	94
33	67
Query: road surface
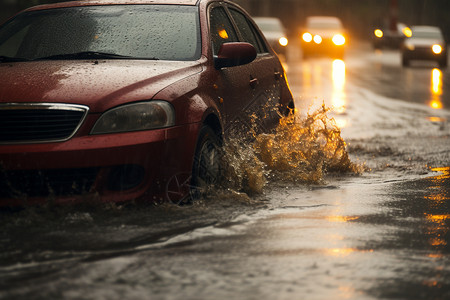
380	231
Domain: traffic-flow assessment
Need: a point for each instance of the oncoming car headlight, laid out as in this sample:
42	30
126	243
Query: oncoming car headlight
437	49
307	37
378	33
135	117
283	41
338	39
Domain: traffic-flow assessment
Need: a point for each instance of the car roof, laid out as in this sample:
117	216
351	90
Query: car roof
113	2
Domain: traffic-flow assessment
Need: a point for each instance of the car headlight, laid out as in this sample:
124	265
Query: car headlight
407	31
317	39
135	117
378	33
338	39
437	49
307	37
283	41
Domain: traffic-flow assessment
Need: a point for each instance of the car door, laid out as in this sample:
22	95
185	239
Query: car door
265	73
232	84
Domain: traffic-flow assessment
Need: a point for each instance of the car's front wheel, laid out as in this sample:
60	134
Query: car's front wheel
206	170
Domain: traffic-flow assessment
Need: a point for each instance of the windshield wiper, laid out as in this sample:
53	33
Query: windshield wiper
85	55
11	59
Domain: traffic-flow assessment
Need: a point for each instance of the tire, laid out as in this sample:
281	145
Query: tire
206	169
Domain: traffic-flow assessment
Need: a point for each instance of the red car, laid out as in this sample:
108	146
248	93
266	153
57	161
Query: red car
114	100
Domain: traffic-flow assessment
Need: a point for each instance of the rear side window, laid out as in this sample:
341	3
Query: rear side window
221	29
248	31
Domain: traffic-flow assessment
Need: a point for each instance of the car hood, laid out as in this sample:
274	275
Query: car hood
424	42
98	84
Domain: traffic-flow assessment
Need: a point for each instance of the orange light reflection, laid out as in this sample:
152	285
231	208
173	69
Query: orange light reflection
339	98
436	89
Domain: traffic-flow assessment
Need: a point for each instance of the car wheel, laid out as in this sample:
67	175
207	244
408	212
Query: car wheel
206	170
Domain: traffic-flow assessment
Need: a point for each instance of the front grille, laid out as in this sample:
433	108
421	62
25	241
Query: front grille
44	183
28	123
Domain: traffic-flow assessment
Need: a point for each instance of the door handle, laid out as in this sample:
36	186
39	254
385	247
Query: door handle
253	82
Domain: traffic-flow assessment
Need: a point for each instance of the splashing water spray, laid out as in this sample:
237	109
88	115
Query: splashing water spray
300	150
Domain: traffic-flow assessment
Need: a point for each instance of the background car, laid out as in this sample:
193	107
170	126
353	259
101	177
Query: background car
425	43
384	37
111	101
323	35
275	33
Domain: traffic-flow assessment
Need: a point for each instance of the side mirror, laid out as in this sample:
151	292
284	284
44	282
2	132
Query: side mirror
234	54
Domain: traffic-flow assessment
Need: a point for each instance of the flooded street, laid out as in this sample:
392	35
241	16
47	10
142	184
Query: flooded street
380	233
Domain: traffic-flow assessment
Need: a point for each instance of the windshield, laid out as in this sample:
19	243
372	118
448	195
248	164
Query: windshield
166	32
427	35
324	24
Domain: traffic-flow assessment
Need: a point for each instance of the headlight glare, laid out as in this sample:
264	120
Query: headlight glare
378	33
437	49
135	117
338	39
307	37
317	39
283	41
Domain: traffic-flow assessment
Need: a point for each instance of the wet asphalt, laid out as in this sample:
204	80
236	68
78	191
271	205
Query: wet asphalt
381	234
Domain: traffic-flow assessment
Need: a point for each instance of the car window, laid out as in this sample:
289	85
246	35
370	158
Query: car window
248	32
221	29
167	32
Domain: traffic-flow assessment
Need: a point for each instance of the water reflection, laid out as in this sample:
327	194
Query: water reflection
437	219
338	76
436	89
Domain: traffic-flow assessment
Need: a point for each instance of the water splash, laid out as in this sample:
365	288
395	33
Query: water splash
300	150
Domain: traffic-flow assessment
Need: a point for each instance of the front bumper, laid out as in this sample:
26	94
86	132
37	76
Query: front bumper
424	53
105	168
327	47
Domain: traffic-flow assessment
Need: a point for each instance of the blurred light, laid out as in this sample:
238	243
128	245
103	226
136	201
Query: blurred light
436	89
410	46
436	104
338	39
378	33
283	41
307	37
436	81
437	49
338	96
407	31
223	34
317	39
338	73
